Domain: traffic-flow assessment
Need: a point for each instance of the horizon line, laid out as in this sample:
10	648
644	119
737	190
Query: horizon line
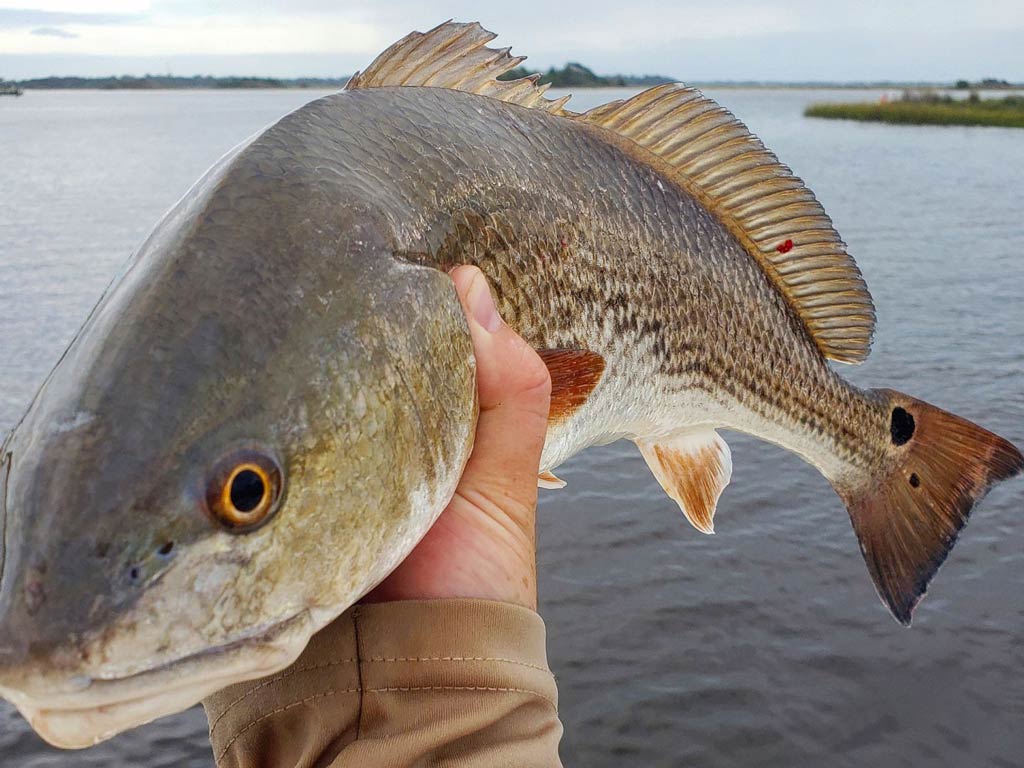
992	83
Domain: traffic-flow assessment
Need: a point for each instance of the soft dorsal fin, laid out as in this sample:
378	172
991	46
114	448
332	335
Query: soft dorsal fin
701	147
779	222
454	55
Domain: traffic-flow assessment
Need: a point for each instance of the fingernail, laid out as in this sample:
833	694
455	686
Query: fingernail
481	304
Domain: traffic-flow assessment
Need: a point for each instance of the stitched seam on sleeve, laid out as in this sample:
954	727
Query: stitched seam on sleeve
286	707
459	658
277	678
359	669
527	691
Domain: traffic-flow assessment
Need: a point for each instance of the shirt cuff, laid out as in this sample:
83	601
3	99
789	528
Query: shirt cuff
354	666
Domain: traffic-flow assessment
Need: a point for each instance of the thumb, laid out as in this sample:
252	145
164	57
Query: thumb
514	389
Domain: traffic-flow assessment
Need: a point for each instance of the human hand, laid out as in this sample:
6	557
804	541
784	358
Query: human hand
484	543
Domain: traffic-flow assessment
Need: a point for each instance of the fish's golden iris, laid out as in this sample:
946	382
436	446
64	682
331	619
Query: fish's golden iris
244	490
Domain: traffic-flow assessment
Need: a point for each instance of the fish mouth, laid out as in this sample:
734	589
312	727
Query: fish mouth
77	713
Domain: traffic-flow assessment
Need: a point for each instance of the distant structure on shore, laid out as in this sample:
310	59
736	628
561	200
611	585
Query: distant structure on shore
9	89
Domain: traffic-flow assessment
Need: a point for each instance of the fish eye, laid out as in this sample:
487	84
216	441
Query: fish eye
244	490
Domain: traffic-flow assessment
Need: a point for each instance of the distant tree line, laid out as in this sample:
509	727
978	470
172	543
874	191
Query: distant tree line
575	75
147	82
988	84
572	75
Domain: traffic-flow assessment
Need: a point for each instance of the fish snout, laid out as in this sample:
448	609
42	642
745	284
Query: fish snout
13	634
21	601
38	606
31	655
31	676
13	643
13	650
5	470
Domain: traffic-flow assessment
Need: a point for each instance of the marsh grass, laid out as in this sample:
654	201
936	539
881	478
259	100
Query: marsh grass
1007	112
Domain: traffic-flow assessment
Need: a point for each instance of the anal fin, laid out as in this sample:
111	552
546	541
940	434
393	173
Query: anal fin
693	467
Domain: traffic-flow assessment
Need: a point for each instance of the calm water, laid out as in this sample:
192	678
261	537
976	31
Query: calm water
761	646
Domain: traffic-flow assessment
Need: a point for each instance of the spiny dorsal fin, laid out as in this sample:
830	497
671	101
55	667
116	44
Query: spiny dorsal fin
777	219
454	55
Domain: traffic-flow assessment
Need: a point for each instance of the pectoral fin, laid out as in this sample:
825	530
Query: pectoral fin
693	467
549	481
574	374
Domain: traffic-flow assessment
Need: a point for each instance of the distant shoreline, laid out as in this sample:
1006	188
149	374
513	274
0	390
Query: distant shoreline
695	84
173	83
572	76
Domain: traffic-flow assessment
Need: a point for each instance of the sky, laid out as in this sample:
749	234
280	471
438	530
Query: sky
763	40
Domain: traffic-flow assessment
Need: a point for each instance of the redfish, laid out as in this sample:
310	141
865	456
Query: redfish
275	400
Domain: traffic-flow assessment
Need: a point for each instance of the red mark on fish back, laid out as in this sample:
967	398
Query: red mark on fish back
785	247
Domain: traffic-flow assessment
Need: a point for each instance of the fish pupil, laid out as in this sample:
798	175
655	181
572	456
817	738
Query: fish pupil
247	490
902	426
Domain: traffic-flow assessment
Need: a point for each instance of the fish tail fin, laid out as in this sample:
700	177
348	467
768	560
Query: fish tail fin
908	514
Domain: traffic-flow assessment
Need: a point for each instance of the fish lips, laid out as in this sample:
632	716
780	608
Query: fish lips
74	712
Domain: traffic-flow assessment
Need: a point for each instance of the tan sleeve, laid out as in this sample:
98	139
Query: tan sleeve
433	683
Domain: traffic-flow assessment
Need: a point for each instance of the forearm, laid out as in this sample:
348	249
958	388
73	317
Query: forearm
445	682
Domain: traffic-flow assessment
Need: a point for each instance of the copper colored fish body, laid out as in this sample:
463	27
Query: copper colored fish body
275	401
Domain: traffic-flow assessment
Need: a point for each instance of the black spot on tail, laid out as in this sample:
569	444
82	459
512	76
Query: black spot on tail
902	426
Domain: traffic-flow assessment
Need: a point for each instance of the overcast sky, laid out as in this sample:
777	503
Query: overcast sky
703	40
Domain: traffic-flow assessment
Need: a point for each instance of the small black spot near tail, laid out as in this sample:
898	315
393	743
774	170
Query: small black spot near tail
901	427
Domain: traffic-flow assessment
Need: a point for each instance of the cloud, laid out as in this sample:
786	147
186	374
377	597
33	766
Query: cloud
53	32
222	34
75	6
742	39
21	18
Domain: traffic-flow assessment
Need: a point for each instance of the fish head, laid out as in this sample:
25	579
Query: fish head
235	448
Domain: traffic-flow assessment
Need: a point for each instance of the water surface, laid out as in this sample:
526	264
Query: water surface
764	645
